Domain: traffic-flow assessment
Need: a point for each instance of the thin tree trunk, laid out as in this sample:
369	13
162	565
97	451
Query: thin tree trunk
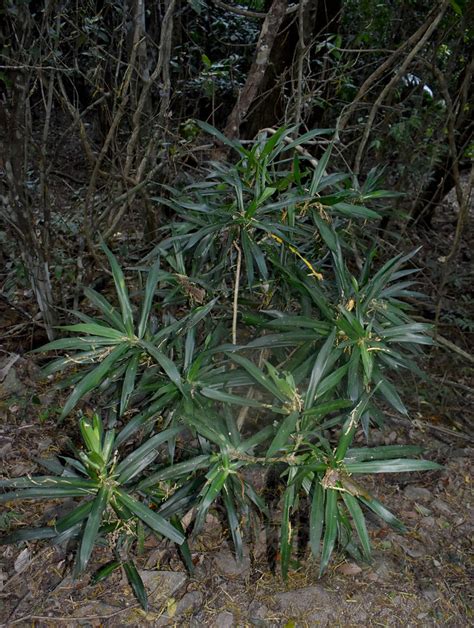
266	41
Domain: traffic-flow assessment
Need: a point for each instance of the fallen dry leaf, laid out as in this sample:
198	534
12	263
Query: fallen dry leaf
349	569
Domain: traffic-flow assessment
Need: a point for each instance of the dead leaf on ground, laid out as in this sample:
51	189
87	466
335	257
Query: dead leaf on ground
349	569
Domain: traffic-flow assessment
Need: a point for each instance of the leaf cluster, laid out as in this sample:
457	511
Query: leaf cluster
318	344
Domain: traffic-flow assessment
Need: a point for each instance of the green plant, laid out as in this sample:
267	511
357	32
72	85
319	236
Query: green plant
106	486
318	344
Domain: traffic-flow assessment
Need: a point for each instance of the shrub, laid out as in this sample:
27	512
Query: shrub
318	345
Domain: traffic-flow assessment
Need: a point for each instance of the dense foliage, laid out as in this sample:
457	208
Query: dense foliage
252	345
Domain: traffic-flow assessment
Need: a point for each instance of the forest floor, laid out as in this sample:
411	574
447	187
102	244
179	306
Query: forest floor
422	578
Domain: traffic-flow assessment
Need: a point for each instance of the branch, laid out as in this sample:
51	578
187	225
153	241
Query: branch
257	71
395	79
236	294
380	71
441	340
246	13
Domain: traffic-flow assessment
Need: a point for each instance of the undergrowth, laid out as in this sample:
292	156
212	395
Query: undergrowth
255	344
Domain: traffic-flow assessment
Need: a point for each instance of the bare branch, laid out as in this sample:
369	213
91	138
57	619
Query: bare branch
395	79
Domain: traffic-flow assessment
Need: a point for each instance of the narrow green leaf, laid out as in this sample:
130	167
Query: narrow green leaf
401	465
257	375
83	343
150	288
92	528
134	462
184	547
305	137
189	346
148	416
135	581
245	241
330	531
359	521
322	409
68	361
175	471
214	430
385	514
285	530
272	141
104	572
49	493
320	170
351	424
48	481
316	520
367	361
318	369
121	288
110	312
152	519
259	258
384	452
90	436
28	534
257	438
221	137
95	330
389	392
93	379
331	381
327	232
355	211
286	428
73	518
220	395
211	493
168	366
128	385
234	524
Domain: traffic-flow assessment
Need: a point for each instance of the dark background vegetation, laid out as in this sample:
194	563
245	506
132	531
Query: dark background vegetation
98	101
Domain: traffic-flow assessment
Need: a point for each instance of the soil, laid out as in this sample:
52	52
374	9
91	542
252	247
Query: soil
422	578
416	579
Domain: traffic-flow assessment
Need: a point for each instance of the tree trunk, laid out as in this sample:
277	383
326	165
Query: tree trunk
17	204
271	107
268	35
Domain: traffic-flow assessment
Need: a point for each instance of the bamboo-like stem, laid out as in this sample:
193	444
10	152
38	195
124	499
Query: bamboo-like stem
236	294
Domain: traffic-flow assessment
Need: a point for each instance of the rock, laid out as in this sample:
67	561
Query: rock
5	447
156	557
22	561
224	620
42	444
95	609
161	585
191	602
259	548
428	522
10	383
431	594
441	506
256	613
302	601
228	566
409	514
381	570
391	438
411	547
417	493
